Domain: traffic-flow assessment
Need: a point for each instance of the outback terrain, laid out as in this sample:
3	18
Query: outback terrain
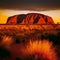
30	37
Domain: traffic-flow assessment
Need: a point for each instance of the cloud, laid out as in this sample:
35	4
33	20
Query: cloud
30	4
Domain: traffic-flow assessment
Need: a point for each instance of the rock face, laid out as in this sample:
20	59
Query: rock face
30	18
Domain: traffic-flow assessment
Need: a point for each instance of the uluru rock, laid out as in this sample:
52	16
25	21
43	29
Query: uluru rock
30	18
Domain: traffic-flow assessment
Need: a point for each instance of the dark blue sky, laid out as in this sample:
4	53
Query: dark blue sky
30	4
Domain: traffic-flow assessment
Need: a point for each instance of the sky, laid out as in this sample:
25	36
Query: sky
13	7
4	14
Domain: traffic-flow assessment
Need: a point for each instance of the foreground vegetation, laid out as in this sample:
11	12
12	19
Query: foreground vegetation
12	36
